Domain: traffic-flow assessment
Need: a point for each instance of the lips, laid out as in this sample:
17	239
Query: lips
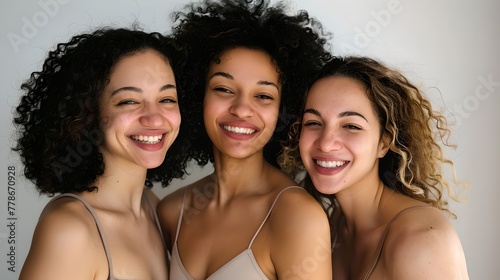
329	167
239	130
330	164
145	139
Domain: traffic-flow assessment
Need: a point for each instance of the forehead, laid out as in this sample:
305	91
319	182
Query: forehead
337	88
136	61
243	58
148	67
333	94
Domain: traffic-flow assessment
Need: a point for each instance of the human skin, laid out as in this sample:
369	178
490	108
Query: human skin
140	100
223	210
241	103
341	142
340	145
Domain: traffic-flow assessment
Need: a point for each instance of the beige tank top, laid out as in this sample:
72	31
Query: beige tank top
242	267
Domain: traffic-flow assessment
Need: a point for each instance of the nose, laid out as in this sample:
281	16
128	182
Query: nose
329	140
242	107
151	116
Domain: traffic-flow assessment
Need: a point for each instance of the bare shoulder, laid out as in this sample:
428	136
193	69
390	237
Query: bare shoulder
300	234
297	212
296	203
424	244
68	220
65	242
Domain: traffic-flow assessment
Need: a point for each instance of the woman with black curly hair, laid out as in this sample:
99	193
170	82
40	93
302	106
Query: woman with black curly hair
98	117
370	142
245	71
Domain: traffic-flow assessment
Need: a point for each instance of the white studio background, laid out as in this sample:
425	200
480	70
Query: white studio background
451	48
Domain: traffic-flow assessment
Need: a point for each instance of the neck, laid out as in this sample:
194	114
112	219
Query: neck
240	176
361	208
121	189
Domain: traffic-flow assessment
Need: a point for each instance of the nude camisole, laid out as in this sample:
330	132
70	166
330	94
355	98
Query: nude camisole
242	267
99	227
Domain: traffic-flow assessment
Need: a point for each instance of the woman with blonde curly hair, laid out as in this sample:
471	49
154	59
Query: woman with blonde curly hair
369	141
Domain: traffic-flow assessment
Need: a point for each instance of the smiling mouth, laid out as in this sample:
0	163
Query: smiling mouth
330	164
238	130
147	139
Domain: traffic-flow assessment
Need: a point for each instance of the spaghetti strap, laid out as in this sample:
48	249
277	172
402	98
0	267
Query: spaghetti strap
98	225
381	243
269	213
181	214
155	217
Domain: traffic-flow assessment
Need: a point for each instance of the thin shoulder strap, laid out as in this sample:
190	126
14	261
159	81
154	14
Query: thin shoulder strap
98	225
381	243
269	213
155	216
181	214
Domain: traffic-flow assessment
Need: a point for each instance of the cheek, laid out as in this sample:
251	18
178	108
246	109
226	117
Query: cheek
271	114
273	121
104	123
307	137
362	145
110	121
210	109
174	119
304	143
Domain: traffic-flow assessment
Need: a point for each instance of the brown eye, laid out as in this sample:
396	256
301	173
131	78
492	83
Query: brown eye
265	96
223	89
351	126
312	123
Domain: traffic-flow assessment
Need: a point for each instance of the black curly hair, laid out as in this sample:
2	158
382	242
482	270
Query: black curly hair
297	44
57	119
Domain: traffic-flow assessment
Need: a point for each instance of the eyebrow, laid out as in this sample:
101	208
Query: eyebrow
229	76
340	115
139	90
312	111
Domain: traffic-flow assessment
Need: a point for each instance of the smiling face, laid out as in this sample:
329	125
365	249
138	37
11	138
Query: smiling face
139	111
241	104
340	142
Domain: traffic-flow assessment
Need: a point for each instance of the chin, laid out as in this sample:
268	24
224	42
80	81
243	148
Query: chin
151	164
325	188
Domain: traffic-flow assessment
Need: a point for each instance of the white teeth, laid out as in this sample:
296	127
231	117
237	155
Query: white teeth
330	164
239	130
147	139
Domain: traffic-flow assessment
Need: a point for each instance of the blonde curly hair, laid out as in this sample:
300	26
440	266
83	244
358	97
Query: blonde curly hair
414	164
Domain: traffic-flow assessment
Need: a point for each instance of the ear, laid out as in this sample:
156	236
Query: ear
385	142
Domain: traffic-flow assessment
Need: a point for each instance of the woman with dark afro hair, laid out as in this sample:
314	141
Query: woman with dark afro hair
99	116
245	69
